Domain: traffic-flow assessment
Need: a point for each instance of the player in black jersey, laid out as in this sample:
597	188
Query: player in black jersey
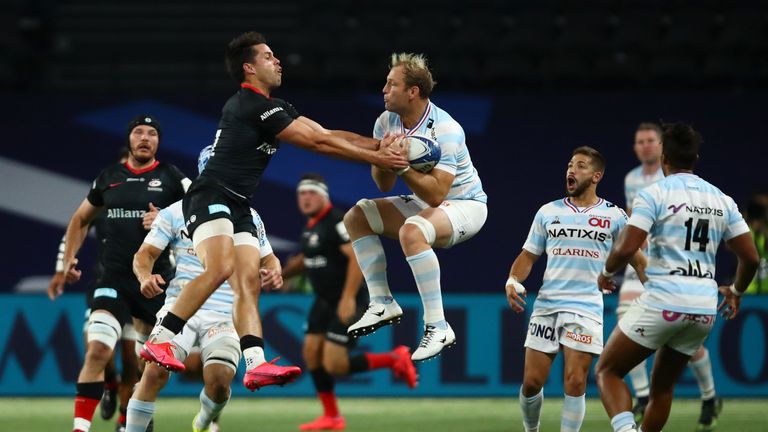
126	193
114	389
217	207
329	262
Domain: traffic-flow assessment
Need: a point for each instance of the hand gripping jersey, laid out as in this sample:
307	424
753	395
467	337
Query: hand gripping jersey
577	242
246	139
169	230
125	194
687	218
448	133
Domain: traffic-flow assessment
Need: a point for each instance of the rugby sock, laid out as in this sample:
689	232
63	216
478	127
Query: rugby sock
139	415
426	272
87	397
167	328
253	351
702	370
123	415
572	416
376	360
639	377
324	384
623	422
209	410
531	409
373	264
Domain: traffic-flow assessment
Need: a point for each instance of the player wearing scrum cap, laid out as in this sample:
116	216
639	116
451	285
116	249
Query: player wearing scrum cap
576	233
129	194
329	262
447	206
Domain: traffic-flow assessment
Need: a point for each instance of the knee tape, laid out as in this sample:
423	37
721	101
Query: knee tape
622	308
371	212
105	328
425	226
224	351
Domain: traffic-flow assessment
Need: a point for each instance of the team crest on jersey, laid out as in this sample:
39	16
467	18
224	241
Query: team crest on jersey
313	240
155	182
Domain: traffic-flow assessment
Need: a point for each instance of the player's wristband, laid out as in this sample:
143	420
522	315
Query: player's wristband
607	274
519	288
402	171
735	292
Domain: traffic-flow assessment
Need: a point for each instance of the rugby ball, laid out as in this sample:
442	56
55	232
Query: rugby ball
423	152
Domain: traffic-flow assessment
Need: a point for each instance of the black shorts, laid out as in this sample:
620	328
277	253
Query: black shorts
323	319
121	296
206	201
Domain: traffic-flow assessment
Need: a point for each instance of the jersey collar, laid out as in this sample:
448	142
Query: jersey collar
421	121
575	209
143	170
320	216
255	89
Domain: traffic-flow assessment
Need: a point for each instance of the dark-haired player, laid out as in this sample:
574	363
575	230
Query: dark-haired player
217	206
687	218
329	262
126	193
576	233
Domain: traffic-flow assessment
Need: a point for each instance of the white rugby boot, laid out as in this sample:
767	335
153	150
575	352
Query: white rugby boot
433	342
376	316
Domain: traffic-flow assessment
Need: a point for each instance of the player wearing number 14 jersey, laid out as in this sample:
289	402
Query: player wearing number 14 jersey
687	218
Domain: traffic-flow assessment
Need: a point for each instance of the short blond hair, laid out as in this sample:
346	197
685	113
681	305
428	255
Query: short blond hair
416	72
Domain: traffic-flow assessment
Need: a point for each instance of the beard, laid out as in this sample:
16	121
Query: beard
578	190
141	158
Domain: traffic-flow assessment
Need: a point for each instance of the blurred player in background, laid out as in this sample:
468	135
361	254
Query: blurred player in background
211	328
217	207
330	263
447	206
576	233
126	193
686	218
648	148
117	390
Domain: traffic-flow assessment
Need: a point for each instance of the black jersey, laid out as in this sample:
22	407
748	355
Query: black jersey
324	263
246	139
125	194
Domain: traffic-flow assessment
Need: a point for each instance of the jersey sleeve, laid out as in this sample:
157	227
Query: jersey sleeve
290	109
96	194
379	127
161	233
180	177
620	220
736	224
536	242
451	139
645	209
265	248
629	194
272	115
341	231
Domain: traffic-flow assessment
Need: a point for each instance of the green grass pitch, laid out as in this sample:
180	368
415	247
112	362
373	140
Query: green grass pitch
372	415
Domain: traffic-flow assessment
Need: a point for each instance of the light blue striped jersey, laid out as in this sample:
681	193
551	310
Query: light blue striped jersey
168	229
634	182
687	218
577	242
454	156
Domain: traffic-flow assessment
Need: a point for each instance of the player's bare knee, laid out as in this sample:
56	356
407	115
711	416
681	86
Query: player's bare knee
155	377
575	382
221	270
335	367
531	386
98	354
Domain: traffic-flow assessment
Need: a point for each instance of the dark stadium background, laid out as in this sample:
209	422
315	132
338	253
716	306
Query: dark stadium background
529	81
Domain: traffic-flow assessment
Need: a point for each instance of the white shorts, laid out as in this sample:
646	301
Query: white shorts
207	330
654	328
547	332
466	216
631	286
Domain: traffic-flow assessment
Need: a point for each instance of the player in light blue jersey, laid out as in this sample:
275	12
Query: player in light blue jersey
576	233
686	217
648	151
447	206
211	328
